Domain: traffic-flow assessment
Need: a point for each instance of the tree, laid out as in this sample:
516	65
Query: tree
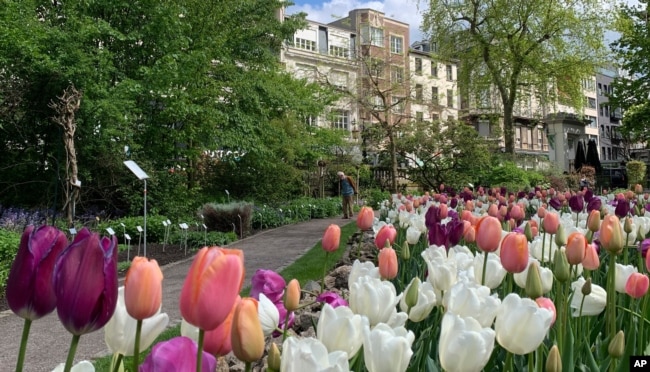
631	91
451	153
545	45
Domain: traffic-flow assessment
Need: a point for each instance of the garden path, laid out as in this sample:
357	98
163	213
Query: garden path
49	341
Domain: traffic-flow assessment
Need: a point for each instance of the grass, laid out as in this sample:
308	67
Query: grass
306	268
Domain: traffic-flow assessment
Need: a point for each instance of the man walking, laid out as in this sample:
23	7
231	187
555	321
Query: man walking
348	188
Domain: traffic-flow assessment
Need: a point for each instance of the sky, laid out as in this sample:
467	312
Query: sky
409	11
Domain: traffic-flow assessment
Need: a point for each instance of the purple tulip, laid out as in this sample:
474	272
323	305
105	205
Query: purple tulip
268	282
555	203
85	282
647	207
643	247
177	354
30	292
332	299
576	203
594	204
453	203
622	208
588	195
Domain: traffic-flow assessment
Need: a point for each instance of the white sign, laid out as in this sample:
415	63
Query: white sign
205	227
110	231
139	228
165	223
169	222
73	231
183	226
127	237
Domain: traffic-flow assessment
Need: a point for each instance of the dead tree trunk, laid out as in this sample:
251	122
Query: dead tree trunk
65	107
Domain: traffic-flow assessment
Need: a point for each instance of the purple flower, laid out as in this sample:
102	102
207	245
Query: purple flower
576	203
30	292
647	207
268	282
85	282
555	203
332	299
521	194
622	208
588	195
453	203
594	204
283	317
177	354
446	235
643	247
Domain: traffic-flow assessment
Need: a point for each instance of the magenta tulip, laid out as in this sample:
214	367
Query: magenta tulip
85	282
177	354
268	282
30	291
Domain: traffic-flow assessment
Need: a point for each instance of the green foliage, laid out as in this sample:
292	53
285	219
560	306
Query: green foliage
235	216
301	209
636	172
9	243
155	227
509	176
374	197
198	239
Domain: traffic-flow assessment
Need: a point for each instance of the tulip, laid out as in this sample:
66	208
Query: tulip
119	332
494	272
387	260
541	212
247	335
309	354
274	359
143	288
551	222
83	366
488	234
576	248
521	325
387	349
292	296
561	267
464	344
211	287
468	299
616	347
554	360
331	299
533	286
386	233
331	238
365	218
545	276
591	260
548	304
622	208
341	329
85	282
218	341
514	252
413	235
30	293
360	269
443	273
560	236
419	300
177	354
637	285
576	203
268	282
594	303
623	273
643	246
374	298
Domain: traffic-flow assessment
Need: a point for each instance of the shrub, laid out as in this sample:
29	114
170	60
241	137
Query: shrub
374	197
222	217
9	242
636	172
510	176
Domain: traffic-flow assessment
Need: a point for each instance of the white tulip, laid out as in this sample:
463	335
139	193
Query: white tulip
387	349
413	235
309	354
545	274
549	247
189	330
494	272
119	332
465	346
341	329
426	300
268	314
83	366
469	299
623	273
359	269
521	324
374	298
442	272
594	303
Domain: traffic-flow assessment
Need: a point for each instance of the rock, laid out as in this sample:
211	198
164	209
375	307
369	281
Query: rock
311	286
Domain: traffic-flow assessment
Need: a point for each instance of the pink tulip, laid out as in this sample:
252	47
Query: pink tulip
637	285
493	210
386	233
469	233
387	263
541	212
217	341
611	234
551	222
211	287
444	212
466	215
514	252
576	248
331	238
365	218
488	234
548	304
517	213
591	260
177	354
143	288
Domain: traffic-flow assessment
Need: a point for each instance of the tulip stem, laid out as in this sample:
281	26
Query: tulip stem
71	352
641	339
485	260
611	294
286	326
248	367
322	283
543	246
508	364
118	362
199	353
23	345
136	347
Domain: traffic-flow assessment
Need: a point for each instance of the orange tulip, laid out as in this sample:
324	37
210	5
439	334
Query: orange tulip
576	248
488	234
331	238
611	234
387	263
247	336
444	211
386	233
469	233
493	210
365	218
514	252
211	287
292	296
143	288
517	213
551	222
218	341
466	215
593	221
541	212
591	260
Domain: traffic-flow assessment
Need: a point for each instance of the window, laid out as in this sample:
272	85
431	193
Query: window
592	121
450	73
339	79
397	74
311	121
591	102
606	111
418	92
588	85
600	89
434	69
396	44
418	66
378	103
450	98
375	67
305	44
434	95
435	117
340	119
605	89
601	111
372	35
451	117
419	116
338	51
397	103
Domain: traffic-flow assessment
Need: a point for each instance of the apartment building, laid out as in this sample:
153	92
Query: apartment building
612	151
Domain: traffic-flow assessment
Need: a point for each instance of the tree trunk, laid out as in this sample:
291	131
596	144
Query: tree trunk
508	128
393	162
